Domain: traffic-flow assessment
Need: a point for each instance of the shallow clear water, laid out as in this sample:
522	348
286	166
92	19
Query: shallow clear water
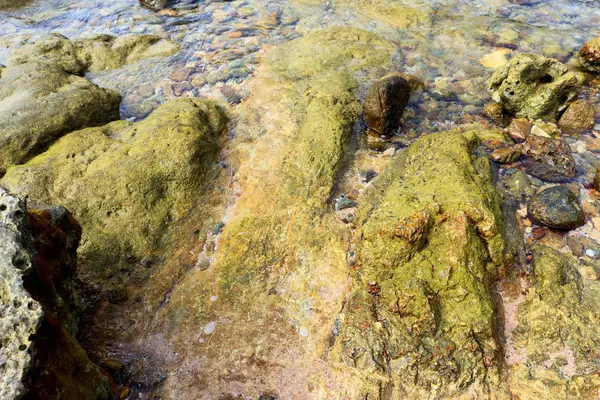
222	39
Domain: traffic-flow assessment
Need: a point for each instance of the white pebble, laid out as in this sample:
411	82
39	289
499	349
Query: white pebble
590	252
303	331
210	327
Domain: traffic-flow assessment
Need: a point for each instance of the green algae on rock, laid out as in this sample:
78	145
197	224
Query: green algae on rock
281	257
126	182
421	319
100	53
534	86
39	103
556	340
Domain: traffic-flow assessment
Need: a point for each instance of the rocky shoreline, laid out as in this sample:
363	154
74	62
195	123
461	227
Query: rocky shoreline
311	239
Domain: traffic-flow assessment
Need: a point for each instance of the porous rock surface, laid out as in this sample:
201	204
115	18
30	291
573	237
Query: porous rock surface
420	319
534	86
40	102
125	183
40	357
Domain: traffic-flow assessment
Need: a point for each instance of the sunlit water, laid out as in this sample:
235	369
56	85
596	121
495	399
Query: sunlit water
221	41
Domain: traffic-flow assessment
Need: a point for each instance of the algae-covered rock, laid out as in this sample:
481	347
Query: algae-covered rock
40	357
401	15
280	273
557	207
556	340
535	86
421	321
100	53
126	182
39	103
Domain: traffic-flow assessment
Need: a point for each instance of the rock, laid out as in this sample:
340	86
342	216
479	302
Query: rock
154	5
557	207
366	175
597	178
579	117
125	183
519	129
39	103
283	258
385	102
545	129
534	86
496	113
589	55
506	155
516	184
39	356
344	202
557	333
101	53
433	201
548	159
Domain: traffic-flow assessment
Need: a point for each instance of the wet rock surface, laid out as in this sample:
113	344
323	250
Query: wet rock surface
557	207
40	103
589	55
124	183
534	86
103	52
385	103
578	117
40	357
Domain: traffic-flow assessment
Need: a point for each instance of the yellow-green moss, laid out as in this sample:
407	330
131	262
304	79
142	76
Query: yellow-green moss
126	182
558	332
103	52
421	313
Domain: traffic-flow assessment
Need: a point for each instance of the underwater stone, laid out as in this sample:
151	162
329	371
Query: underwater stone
100	53
579	117
385	102
534	86
548	159
557	207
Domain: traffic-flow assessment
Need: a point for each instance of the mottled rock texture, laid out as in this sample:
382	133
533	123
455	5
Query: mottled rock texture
421	320
100	53
534	86
40	357
40	102
589	55
385	102
557	207
557	336
126	183
20	314
578	117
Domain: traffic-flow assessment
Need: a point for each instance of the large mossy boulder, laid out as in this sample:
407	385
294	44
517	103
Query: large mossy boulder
39	310
126	182
557	334
100	53
534	86
40	102
420	321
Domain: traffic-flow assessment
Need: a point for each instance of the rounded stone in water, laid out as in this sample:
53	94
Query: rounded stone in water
557	207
